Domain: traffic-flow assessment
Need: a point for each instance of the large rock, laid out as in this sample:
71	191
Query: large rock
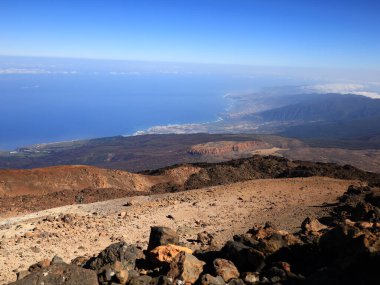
115	262
244	257
60	274
166	253
121	252
226	269
162	236
186	268
273	243
312	225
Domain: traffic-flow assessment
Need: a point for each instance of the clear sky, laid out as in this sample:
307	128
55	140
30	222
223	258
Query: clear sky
321	33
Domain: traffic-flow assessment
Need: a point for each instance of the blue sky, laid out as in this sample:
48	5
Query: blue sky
321	33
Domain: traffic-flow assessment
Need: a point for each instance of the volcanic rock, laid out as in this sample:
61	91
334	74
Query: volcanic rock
56	260
59	274
251	277
244	257
186	267
226	269
205	238
41	264
162	236
122	252
208	279
312	225
236	282
166	253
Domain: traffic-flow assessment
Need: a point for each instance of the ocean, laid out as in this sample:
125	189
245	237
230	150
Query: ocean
59	102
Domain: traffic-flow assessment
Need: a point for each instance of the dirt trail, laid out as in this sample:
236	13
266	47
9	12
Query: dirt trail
220	210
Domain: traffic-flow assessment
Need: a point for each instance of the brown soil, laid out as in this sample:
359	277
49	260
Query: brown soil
220	210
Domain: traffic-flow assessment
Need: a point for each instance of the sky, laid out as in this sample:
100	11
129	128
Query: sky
312	33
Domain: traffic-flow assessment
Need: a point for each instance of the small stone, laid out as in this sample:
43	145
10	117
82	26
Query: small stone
49	219
42	264
251	277
122	276
236	281
29	234
35	249
56	260
226	269
68	218
205	238
79	261
208	279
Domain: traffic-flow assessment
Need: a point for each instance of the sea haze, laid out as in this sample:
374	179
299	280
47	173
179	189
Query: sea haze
47	100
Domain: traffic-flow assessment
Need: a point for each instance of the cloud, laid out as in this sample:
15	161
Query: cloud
34	71
23	71
342	88
30	87
134	73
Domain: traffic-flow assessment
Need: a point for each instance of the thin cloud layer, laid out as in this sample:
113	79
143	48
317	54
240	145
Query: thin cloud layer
343	88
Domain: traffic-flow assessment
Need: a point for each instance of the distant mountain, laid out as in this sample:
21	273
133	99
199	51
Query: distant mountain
333	107
352	134
328	120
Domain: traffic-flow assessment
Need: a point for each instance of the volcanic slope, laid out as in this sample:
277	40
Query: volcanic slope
26	191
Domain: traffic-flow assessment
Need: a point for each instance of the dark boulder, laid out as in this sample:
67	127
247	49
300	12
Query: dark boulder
162	236
122	252
244	257
60	274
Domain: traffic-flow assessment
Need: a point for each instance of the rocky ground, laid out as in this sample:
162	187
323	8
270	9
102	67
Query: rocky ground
341	247
222	211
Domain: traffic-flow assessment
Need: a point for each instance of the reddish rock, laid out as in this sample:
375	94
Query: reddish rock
186	268
312	225
226	269
166	253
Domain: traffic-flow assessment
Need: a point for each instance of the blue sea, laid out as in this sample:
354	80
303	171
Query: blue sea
58	100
